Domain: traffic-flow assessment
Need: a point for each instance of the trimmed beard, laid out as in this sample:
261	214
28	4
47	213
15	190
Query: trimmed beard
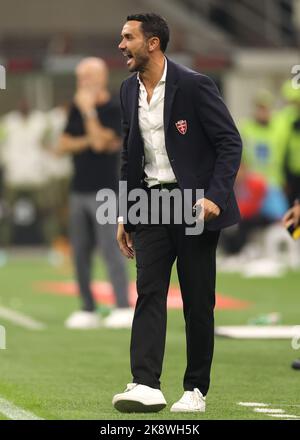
141	62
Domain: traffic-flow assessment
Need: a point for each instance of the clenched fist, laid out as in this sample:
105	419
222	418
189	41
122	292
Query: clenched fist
209	210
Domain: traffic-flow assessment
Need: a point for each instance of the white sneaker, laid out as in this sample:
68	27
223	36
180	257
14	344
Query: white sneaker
83	320
191	401
120	318
140	399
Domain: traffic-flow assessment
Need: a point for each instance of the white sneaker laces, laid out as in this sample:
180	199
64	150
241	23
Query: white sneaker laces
197	396
130	386
194	397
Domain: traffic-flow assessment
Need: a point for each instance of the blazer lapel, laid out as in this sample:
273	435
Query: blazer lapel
170	91
135	106
135	128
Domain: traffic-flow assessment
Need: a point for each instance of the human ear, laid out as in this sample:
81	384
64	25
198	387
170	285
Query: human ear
153	43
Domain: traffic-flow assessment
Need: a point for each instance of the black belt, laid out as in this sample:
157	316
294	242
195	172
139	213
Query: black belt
164	186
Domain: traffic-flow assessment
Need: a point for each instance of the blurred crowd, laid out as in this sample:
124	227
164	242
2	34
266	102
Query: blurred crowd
268	181
34	178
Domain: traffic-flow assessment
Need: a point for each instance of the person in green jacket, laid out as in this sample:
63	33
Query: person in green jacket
264	153
292	216
288	123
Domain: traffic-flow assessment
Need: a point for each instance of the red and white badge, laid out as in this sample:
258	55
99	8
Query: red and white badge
181	126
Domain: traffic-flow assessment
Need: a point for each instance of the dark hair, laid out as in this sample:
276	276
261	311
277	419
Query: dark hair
153	25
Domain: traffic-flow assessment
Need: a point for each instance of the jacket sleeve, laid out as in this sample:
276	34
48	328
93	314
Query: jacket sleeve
125	132
224	138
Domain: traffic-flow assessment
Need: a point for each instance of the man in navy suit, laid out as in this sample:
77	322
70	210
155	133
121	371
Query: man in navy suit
178	133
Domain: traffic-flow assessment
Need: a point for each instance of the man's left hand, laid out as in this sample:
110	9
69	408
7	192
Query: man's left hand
209	210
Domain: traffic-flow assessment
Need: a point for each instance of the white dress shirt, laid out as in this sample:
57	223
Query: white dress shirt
157	166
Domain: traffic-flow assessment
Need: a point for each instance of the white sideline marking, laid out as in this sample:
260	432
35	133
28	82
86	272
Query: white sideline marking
271	412
13	412
285	416
289	404
252	404
20	319
260	332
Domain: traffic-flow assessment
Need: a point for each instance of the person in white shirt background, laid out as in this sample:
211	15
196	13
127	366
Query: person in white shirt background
25	166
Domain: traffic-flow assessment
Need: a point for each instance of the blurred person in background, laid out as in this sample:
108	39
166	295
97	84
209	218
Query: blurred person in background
292	217
288	120
60	170
23	134
264	152
260	183
250	189
92	137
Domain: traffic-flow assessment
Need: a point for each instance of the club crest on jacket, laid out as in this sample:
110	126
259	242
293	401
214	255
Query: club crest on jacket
181	126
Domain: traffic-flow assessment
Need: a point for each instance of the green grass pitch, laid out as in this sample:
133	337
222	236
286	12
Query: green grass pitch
63	374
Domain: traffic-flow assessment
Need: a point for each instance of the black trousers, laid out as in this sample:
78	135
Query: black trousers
156	248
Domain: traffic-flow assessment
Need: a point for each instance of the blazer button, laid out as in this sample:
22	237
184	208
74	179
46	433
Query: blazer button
172	160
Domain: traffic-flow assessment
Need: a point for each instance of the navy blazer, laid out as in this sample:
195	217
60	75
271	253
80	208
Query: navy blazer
206	157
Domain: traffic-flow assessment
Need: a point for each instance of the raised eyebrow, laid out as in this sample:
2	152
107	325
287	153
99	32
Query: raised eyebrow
126	34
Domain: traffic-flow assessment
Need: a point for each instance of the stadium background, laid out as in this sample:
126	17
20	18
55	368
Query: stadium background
57	374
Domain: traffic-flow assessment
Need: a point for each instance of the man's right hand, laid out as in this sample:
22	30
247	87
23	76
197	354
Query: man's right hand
125	242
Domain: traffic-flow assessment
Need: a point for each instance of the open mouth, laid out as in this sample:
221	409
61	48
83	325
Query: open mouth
128	56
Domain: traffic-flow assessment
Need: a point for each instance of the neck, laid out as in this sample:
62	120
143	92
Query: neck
153	71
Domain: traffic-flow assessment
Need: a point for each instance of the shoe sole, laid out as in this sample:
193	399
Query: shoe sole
131	406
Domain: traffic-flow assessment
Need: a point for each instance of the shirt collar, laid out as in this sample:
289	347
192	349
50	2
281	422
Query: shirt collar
162	79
